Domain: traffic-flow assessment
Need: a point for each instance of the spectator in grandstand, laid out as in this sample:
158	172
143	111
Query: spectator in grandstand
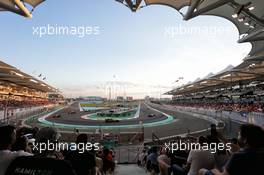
21	146
100	153
178	157
24	130
234	146
221	157
23	103
107	153
142	158
164	162
112	153
152	161
213	137
250	159
7	139
198	159
108	163
99	165
48	135
83	163
99	159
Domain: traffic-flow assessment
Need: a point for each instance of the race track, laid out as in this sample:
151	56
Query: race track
180	123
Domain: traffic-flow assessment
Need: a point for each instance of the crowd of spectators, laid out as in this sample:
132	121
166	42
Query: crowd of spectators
237	99
15	151
246	156
22	103
225	106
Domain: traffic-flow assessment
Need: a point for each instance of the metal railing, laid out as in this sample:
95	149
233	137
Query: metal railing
242	117
128	154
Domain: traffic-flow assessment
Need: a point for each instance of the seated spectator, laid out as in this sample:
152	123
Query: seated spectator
108	163
48	135
142	158
112	153
152	161
164	162
7	139
83	163
21	146
221	157
234	146
178	160
214	136
198	159
179	157
250	159
107	154
99	165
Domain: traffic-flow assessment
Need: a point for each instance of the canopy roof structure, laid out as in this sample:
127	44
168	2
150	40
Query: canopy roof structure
20	6
226	78
12	75
247	16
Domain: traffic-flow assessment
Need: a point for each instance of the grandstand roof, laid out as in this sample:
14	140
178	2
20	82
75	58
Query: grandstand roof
19	6
13	75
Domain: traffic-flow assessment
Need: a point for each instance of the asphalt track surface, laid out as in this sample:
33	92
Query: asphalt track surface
182	124
76	118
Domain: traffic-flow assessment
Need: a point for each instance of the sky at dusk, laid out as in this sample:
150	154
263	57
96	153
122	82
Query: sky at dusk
137	54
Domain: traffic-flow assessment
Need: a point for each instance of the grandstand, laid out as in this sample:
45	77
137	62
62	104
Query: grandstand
21	93
223	112
235	89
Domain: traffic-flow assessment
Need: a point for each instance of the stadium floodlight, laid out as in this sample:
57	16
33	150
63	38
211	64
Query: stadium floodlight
252	65
251	8
241	19
18	74
247	22
252	26
34	81
225	76
235	15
